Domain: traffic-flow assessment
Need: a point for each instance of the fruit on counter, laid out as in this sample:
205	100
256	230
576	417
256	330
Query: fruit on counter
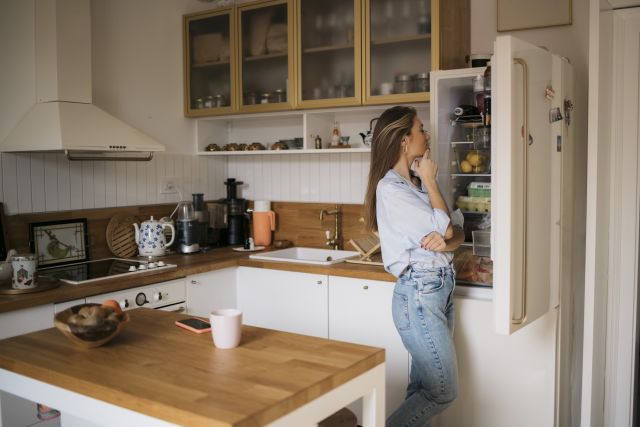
465	166
94	316
111	303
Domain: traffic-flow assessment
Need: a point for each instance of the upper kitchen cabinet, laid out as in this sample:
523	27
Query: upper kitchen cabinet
266	56
328	47
405	40
209	63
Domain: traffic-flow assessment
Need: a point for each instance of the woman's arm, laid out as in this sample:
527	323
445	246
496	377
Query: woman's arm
428	171
437	243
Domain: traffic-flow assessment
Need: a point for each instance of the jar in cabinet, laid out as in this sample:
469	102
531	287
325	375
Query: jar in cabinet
251	98
219	101
208	103
265	98
402	84
279	96
198	103
421	82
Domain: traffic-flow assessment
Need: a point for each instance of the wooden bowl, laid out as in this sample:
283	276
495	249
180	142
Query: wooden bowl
88	336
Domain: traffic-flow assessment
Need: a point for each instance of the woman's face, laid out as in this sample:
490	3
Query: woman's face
417	140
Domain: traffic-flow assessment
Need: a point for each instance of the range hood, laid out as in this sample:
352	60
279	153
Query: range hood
63	118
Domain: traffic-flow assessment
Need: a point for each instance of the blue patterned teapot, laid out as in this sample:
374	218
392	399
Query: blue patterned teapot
151	239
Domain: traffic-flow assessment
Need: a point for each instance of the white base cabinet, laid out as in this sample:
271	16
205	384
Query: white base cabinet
360	312
211	290
504	380
284	300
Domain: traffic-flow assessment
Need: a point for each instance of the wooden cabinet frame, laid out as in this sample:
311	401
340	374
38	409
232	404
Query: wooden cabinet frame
233	96
291	92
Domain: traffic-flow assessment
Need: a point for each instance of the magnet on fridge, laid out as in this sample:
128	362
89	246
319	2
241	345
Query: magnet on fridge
555	115
549	93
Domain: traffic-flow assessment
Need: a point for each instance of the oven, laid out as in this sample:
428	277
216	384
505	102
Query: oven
167	296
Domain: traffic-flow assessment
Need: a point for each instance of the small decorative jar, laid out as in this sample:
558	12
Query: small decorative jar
265	98
402	84
208	103
198	103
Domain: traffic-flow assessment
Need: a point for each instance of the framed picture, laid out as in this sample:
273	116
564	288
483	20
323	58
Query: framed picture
59	242
526	14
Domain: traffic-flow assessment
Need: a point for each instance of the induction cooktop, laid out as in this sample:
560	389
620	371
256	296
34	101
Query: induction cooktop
101	269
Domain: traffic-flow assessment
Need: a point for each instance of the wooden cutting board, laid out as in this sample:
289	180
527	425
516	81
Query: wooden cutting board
121	238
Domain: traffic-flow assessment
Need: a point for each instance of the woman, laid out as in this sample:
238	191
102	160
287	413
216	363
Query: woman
417	238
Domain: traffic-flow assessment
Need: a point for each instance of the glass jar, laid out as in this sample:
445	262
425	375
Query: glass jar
265	98
208	103
219	101
250	98
198	103
402	84
279	96
421	82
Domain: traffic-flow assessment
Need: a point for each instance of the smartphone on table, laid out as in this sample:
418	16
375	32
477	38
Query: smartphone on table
193	324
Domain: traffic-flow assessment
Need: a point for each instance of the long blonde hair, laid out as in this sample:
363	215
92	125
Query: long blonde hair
393	125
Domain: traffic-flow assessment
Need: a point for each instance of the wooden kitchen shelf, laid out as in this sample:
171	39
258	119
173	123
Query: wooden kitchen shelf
404	39
286	152
320	49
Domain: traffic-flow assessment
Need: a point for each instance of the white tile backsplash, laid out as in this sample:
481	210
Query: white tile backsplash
48	182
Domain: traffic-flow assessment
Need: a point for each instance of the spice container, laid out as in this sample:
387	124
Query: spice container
250	98
219	101
421	82
208	102
279	96
198	103
265	98
402	84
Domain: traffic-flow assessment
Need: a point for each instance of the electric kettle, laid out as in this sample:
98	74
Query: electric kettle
151	239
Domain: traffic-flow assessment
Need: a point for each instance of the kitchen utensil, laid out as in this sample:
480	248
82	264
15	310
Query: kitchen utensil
121	238
24	271
236	208
151	239
188	236
92	335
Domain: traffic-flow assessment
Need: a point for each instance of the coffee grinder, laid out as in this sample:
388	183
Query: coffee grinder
237	220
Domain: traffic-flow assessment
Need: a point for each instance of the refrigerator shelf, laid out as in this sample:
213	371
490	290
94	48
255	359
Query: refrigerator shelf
470	283
457	175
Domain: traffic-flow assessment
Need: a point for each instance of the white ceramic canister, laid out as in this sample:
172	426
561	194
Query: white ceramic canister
24	271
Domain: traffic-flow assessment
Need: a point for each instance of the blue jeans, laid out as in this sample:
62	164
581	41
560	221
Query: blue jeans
423	315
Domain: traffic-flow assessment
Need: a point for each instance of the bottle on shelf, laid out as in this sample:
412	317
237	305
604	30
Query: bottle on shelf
487	95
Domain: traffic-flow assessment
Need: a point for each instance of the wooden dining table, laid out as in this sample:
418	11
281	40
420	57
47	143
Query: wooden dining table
154	373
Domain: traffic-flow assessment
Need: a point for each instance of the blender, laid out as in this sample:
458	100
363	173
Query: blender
187	229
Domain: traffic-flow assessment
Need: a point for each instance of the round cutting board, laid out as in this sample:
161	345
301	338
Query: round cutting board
121	237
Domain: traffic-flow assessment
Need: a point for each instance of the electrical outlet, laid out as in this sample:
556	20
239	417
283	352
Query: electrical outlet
168	186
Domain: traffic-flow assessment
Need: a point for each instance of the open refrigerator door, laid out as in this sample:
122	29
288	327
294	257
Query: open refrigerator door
499	147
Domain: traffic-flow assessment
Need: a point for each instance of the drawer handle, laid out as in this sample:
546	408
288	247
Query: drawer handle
195	282
365	287
319	282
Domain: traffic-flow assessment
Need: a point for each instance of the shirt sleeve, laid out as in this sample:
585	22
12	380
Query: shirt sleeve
408	215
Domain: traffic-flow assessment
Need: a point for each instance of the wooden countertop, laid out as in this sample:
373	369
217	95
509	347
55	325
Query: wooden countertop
215	259
270	374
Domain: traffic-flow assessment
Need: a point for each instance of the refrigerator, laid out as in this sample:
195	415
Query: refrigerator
505	160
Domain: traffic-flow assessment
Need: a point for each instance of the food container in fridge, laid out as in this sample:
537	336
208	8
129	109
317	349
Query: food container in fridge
481	243
473	161
479	189
474	204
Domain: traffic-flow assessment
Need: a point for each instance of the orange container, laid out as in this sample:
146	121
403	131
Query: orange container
264	223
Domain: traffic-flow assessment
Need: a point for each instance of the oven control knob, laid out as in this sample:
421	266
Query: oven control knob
142	267
161	264
141	299
132	268
124	303
157	296
151	265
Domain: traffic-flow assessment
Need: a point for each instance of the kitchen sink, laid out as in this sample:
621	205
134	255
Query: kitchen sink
306	256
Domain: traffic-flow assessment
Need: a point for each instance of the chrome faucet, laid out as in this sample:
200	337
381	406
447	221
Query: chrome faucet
335	240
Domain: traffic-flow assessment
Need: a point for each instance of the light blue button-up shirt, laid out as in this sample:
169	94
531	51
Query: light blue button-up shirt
405	216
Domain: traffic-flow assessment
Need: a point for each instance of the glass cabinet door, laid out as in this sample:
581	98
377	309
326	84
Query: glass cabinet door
209	63
329	52
399	50
266	56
